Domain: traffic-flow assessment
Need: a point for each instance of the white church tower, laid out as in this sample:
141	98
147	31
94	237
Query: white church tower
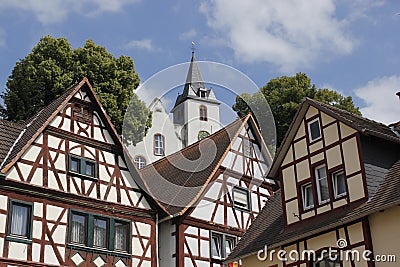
195	115
196	110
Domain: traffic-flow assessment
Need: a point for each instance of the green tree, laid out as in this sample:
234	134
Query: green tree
284	95
53	66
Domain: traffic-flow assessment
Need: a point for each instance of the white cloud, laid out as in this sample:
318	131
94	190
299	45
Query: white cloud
379	96
290	34
54	11
189	35
144	44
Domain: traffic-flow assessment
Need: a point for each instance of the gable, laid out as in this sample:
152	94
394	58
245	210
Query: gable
337	150
77	130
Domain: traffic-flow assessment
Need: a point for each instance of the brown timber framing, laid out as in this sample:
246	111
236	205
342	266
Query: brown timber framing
83	140
22	191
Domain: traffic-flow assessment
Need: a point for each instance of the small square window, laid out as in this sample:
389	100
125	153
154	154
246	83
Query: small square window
339	184
314	130
241	198
308	197
20	220
75	165
90	169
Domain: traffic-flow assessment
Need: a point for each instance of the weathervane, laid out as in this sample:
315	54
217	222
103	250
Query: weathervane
193	47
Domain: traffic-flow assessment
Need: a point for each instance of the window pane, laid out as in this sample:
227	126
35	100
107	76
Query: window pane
216	246
240	198
75	165
140	162
78	228
339	182
308	196
247	148
322	184
314	130
20	220
121	230
100	232
90	169
158	144
229	244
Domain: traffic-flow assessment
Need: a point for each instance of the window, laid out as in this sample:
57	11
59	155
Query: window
221	245
322	184
247	148
203	113
100	227
241	198
307	194
78	228
314	130
339	184
99	232
140	162
203	92
202	134
158	145
20	220
82	166
121	235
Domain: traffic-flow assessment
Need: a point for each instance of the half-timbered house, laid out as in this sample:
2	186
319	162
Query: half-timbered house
339	177
218	189
67	191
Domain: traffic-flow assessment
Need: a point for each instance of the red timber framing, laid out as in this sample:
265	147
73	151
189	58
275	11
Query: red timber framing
216	212
101	185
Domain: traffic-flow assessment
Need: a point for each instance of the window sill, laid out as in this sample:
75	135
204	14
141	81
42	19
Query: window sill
339	197
76	174
99	250
19	239
241	209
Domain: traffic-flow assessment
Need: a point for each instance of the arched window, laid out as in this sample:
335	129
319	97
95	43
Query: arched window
159	145
140	162
203	113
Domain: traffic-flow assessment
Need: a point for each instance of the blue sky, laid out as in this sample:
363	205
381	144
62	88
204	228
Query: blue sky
349	46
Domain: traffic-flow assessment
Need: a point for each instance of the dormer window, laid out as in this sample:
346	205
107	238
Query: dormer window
314	130
203	113
202	92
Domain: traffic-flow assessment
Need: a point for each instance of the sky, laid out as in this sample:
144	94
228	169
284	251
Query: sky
349	46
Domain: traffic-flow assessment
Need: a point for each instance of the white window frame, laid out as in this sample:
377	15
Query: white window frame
244	191
309	130
304	194
317	181
335	184
140	162
159	146
221	244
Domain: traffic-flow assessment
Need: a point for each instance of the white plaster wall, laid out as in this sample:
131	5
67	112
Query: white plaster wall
167	243
161	123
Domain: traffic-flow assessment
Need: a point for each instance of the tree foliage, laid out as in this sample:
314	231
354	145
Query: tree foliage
284	95
53	66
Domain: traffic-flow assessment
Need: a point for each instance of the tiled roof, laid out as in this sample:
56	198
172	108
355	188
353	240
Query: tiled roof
165	177
364	125
9	132
268	228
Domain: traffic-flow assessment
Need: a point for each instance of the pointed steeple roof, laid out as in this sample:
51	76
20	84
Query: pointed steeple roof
193	83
